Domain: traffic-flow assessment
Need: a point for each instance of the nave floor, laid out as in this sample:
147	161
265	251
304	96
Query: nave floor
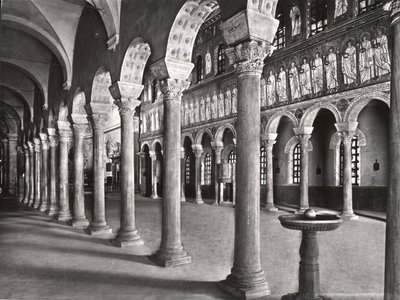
44	259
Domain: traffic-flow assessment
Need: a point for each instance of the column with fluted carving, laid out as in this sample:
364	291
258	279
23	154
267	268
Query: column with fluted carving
12	162
65	134
27	179
31	173
198	152
268	141
38	174
53	197
392	257
98	226
44	180
304	135
154	192
123	93
171	252
217	147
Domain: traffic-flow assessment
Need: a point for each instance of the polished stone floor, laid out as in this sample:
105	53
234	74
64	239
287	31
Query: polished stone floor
44	259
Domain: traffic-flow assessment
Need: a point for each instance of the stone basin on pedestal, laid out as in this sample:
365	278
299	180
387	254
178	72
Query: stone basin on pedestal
309	223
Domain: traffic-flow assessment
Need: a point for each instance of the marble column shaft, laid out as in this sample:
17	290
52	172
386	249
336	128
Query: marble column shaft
304	166
27	175
154	192
44	205
269	200
98	225
12	163
53	138
171	252
348	212
38	174
32	173
392	255
78	211
6	177
127	234
217	147
64	213
183	168
198	152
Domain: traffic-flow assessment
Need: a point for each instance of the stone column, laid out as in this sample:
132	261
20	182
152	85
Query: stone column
183	168
304	135
65	133
20	177
44	205
392	257
124	93
31	173
198	152
6	178
247	279
347	131
268	142
12	163
27	175
217	147
98	225
53	143
78	211
171	252
38	172
142	156
154	192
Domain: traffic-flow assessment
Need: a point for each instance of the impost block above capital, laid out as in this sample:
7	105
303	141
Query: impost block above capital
125	90
64	125
347	127
52	131
299	131
269	137
43	137
12	136
170	67
79	119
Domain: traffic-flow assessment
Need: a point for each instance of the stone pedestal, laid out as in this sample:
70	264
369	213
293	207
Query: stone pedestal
198	152
12	163
268	143
27	175
247	278
171	252
31	173
44	205
38	174
78	212
53	143
392	257
217	147
65	133
98	226
127	234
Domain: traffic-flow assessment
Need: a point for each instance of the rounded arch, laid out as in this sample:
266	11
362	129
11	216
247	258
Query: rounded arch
219	135
227	150
187	135
154	144
10	118
311	113
289	148
274	121
144	145
100	87
200	134
134	62
185	28
358	103
20	95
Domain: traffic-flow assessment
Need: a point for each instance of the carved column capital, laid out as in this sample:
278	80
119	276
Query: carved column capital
98	121
12	137
31	146
20	149
153	155
65	135
198	150
37	146
127	107
303	139
79	129
182	152
172	89
45	141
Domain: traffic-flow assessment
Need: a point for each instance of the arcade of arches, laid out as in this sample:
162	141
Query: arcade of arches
255	105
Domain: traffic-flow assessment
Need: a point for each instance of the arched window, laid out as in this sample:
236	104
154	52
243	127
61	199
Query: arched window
221	59
355	161
199	68
263	166
206	176
187	169
296	163
280	38
368	5
154	90
232	157
318	16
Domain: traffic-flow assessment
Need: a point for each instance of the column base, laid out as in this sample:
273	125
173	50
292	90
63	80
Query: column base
155	197
94	229
64	216
36	205
43	208
80	223
183	199
171	257
269	208
249	287
127	238
199	201
215	204
301	211
30	202
348	216
53	211
296	296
